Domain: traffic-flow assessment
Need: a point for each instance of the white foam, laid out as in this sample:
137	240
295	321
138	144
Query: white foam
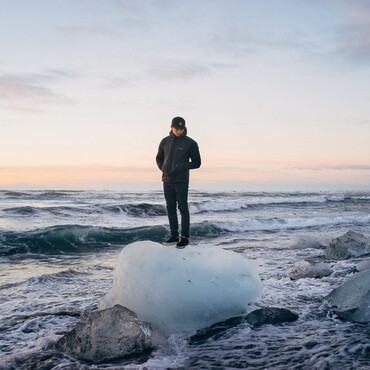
183	290
304	241
216	206
282	223
240	203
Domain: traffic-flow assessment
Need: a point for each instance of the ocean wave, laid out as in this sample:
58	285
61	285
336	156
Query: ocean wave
74	239
138	210
71	239
13	193
275	223
201	202
133	210
239	203
38	194
55	210
64	275
69	274
22	211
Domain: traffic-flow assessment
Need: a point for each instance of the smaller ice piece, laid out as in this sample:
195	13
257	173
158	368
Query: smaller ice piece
183	290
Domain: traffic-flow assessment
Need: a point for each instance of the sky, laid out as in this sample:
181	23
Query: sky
275	92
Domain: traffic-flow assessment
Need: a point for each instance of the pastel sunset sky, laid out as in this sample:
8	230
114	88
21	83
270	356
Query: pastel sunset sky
275	92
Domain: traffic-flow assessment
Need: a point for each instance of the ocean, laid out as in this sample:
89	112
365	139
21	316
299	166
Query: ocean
58	251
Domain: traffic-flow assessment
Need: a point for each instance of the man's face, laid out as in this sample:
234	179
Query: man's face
176	131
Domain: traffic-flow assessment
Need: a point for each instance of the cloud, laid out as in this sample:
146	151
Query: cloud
169	71
28	92
120	82
86	29
114	19
338	167
172	71
50	75
240	42
349	40
353	37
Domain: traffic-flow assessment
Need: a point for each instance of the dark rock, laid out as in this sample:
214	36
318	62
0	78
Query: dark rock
109	334
271	315
349	245
266	315
311	344
216	329
305	269
352	299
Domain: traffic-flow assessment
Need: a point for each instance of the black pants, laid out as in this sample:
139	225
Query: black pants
176	194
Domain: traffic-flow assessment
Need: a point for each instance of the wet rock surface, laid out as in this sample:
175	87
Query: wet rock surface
271	315
258	317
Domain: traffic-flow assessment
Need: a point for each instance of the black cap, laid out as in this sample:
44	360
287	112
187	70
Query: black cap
179	123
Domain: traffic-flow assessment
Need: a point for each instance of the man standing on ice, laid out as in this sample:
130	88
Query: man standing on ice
177	154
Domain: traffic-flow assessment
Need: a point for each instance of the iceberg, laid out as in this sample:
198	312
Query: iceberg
128	336
183	289
352	298
349	245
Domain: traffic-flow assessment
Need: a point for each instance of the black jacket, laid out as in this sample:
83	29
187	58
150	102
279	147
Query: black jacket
176	156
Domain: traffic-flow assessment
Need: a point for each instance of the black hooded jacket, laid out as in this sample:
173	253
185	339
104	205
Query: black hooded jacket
176	156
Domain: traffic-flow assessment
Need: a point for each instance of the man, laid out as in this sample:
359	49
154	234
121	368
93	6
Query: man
177	154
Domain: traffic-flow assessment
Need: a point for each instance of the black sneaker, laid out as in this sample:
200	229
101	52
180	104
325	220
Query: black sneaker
182	243
172	240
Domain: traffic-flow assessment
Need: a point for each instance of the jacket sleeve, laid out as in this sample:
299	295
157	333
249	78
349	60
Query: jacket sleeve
194	157
160	156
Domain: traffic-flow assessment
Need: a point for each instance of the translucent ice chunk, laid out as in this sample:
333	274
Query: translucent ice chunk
183	290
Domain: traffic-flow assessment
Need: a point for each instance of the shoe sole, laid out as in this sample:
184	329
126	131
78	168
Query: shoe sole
181	246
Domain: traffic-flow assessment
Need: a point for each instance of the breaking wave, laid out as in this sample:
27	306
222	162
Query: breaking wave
37	194
74	239
79	202
276	223
219	204
138	210
81	239
133	210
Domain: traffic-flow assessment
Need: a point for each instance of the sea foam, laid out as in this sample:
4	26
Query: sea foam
183	290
